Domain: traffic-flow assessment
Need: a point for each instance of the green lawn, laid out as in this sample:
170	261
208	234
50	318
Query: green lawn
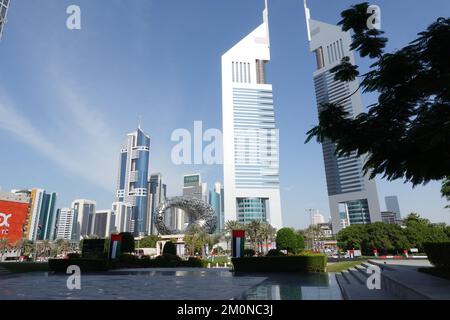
20	267
344	265
221	260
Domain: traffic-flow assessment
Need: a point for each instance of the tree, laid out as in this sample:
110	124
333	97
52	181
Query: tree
195	237
149	241
405	134
127	244
351	237
287	239
419	230
445	190
253	229
170	248
231	225
267	233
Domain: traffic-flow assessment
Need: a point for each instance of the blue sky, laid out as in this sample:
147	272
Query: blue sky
68	98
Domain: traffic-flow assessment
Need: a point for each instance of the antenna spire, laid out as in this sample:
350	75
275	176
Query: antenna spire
308	18
140	120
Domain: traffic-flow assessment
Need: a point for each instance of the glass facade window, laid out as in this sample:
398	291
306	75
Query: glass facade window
249	209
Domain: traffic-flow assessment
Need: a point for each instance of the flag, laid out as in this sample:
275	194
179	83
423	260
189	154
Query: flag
114	248
238	243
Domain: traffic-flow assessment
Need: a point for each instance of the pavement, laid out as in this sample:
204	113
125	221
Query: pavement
404	278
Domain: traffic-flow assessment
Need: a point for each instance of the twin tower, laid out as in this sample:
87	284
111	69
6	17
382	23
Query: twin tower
251	138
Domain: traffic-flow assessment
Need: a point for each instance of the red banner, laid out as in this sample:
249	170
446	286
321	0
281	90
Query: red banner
238	233
13	216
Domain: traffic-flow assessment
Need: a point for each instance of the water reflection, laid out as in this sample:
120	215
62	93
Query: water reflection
295	287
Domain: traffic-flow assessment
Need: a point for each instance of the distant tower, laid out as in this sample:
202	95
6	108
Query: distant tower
156	195
350	192
4	4
133	178
393	206
250	136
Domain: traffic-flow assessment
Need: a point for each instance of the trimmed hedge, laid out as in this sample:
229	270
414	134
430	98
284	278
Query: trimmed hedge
86	265
438	253
300	263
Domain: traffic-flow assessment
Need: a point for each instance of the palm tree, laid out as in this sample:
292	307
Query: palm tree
253	229
267	232
231	225
195	236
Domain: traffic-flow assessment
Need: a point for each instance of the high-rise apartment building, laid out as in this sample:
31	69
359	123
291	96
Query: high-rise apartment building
65	224
132	185
41	218
123	213
250	136
4	5
349	190
157	194
84	211
104	221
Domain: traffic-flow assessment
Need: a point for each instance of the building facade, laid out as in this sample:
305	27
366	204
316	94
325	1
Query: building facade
349	190
104	221
123	213
4	5
193	187
157	194
84	211
215	200
393	206
14	211
65	224
132	185
250	136
41	219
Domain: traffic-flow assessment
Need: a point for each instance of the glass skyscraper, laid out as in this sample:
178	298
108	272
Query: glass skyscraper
250	136
349	190
132	185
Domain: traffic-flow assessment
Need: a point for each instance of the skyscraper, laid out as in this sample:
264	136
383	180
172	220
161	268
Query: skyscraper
194	188
84	211
41	217
156	195
215	200
122	217
104	221
393	206
65	224
4	4
349	190
250	137
133	178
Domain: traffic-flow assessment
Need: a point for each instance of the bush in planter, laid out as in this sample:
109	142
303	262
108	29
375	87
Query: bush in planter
167	260
249	252
127	258
170	248
438	253
192	262
86	265
301	263
73	255
275	253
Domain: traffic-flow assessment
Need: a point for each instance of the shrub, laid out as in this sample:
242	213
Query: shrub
73	255
127	244
249	252
275	253
167	260
127	258
192	262
170	248
86	265
303	263
288	240
438	253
